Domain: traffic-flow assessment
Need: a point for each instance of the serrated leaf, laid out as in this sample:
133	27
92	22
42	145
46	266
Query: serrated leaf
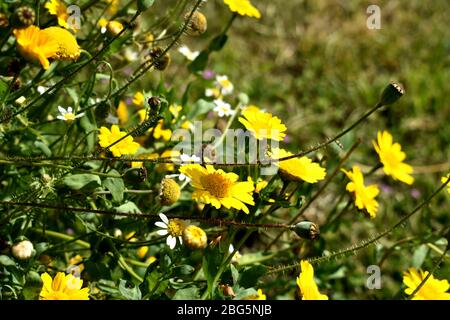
78	181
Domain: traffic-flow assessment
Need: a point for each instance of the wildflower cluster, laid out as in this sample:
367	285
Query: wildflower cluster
136	163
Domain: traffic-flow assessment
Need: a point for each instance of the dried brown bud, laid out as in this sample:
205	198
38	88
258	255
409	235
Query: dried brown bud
4	21
24	16
197	24
160	59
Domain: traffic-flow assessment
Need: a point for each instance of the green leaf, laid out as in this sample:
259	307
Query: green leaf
241	294
250	276
419	256
6	261
234	274
186	294
3	88
218	42
128	207
144	4
43	147
199	63
129	293
211	264
200	107
78	181
115	186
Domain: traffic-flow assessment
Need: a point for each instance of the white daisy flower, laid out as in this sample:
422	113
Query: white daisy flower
187	158
190	55
173	228
68	115
222	108
225	85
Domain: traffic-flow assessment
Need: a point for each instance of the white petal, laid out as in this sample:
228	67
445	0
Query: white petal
69	110
181	240
79	115
62	110
161	224
162	232
61	118
171	242
164	218
195	158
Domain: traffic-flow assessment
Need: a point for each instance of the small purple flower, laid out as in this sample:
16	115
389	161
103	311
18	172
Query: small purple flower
286	139
415	193
127	71
386	189
208	74
70	231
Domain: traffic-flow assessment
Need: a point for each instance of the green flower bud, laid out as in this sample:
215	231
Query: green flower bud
307	230
391	93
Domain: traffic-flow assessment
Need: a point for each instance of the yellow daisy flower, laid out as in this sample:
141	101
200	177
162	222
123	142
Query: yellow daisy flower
243	7
35	45
262	125
125	146
392	156
444	179
297	169
41	45
58	8
432	289
364	196
218	188
306	284
63	287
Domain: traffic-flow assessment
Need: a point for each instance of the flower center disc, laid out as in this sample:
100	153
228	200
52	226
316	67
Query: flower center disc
216	184
175	227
